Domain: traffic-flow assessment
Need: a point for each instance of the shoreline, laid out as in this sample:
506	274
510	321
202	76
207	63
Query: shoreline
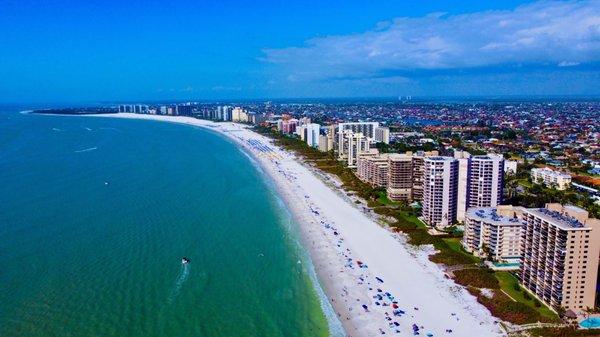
374	281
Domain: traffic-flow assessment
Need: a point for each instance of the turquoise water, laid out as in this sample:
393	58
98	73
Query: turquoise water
95	215
590	323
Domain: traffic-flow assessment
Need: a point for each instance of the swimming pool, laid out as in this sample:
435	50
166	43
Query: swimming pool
590	323
507	264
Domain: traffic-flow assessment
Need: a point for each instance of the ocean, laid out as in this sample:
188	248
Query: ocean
96	214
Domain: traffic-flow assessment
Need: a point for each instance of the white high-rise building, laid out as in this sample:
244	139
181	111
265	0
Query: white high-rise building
494	231
366	128
486	181
480	181
463	158
382	135
310	134
239	115
223	113
440	182
351	145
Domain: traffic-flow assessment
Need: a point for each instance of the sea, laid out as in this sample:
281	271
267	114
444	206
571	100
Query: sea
97	213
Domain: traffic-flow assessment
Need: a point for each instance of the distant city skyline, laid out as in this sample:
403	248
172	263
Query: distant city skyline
110	51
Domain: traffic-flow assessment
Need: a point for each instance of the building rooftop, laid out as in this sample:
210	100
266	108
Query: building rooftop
551	171
487	157
440	158
490	215
561	220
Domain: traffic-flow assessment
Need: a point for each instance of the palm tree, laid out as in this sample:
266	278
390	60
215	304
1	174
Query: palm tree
511	185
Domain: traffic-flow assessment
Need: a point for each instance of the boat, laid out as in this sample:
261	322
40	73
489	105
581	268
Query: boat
185	260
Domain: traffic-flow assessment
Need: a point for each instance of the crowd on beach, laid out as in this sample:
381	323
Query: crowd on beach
392	317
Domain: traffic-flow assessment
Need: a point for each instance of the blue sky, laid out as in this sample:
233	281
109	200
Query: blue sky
74	51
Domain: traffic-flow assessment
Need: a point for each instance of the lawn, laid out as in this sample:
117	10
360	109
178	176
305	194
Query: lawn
384	200
507	284
455	245
524	183
402	215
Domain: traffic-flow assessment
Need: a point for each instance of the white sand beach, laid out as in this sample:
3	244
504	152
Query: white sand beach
394	289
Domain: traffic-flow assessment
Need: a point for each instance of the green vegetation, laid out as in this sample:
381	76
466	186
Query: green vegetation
450	252
510	285
537	195
456	245
384	200
477	277
503	307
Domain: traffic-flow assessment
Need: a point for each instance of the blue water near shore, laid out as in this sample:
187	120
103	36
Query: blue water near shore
96	213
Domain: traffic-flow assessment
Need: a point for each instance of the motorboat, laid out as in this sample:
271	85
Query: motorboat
185	260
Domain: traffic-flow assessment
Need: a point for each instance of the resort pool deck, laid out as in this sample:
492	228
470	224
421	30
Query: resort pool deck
503	265
590	323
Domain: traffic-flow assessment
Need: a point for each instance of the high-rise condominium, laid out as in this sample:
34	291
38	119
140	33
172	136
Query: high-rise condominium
494	232
480	181
440	182
486	181
400	178
382	135
373	169
367	129
310	134
418	167
560	246
351	145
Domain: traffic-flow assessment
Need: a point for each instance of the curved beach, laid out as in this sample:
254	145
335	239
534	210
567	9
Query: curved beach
375	281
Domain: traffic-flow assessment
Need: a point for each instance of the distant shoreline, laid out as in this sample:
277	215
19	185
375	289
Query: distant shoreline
73	111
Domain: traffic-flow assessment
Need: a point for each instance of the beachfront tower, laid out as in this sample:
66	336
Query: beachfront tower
400	177
560	246
367	129
480	181
311	135
351	145
486	181
494	232
440	182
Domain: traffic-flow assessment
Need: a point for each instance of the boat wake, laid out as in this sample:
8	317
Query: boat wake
113	129
183	275
87	150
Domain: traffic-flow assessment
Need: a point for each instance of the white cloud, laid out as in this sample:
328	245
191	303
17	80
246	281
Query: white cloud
225	88
540	33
